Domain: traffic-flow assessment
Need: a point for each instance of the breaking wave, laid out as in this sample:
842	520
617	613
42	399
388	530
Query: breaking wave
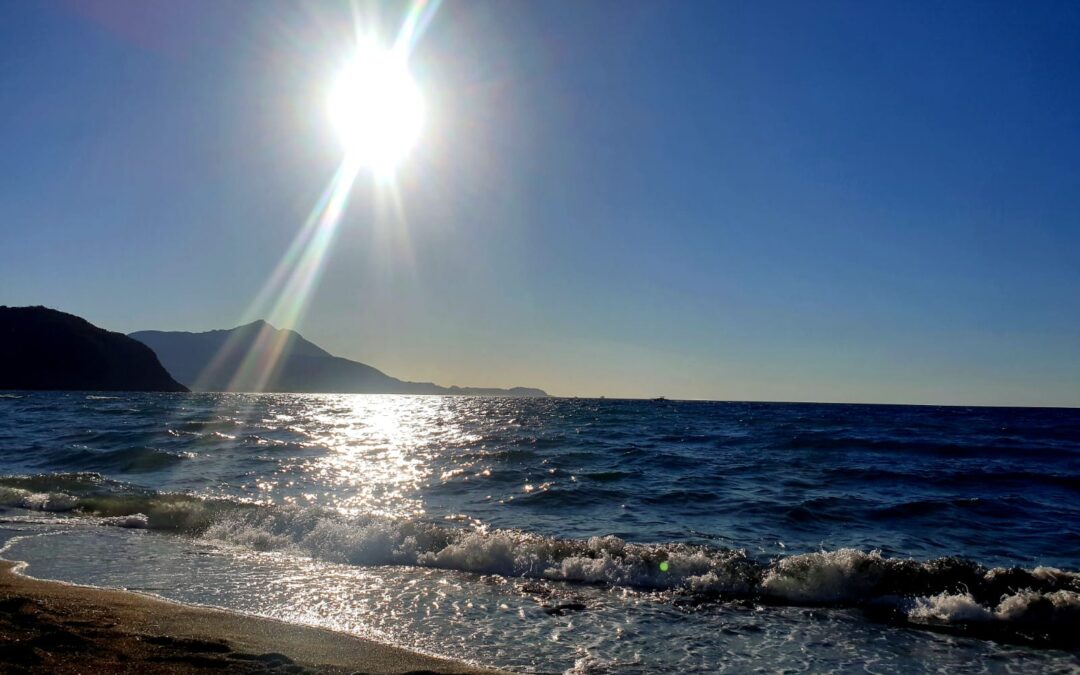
945	591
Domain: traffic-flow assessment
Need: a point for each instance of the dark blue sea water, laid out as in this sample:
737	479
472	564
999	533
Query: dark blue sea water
590	535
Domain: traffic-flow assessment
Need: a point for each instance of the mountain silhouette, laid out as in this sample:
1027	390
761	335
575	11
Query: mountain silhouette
43	348
259	357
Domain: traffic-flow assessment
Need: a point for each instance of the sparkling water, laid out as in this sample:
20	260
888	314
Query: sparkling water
550	535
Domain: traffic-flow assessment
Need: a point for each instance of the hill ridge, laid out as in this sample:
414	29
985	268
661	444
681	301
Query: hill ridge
46	349
233	359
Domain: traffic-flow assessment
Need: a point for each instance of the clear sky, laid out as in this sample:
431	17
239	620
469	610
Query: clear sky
834	201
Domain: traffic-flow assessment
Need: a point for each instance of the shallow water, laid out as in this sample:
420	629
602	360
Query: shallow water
555	534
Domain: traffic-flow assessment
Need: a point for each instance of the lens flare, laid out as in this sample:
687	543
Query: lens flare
377	111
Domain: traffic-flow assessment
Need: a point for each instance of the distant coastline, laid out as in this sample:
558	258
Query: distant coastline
46	349
258	357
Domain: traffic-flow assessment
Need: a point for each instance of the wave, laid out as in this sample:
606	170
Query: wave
130	460
37	501
968	478
950	590
926	446
1061	607
1000	507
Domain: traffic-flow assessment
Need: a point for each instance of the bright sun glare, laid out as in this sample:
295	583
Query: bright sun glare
376	108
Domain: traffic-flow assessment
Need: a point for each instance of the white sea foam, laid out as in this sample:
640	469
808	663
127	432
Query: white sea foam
827	576
136	521
37	501
1054	575
935	591
593	665
237	533
657	567
376	543
490	553
949	607
605	560
10	496
1057	607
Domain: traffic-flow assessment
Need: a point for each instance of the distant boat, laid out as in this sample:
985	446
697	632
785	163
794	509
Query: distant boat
660	398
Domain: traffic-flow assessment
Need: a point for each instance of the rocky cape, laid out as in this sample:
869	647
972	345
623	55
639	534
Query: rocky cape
43	348
259	357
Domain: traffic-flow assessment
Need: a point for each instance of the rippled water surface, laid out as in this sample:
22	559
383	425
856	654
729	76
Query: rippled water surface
556	534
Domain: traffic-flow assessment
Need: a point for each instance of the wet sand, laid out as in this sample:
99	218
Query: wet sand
50	627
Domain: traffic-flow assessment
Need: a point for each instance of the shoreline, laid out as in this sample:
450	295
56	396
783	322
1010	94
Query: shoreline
56	627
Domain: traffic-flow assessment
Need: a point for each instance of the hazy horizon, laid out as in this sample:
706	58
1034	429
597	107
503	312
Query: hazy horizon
627	397
835	202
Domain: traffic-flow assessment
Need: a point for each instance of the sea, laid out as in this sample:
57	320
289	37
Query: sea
554	535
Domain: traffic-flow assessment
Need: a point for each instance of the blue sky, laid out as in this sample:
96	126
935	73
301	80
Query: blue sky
835	201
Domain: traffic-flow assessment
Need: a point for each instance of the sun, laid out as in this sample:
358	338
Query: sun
376	108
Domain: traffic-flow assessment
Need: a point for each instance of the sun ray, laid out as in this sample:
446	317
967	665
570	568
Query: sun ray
416	22
261	363
284	298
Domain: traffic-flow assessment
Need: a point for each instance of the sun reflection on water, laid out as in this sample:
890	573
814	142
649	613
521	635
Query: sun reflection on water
378	453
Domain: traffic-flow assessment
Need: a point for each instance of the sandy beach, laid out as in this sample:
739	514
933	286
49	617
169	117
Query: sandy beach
50	627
